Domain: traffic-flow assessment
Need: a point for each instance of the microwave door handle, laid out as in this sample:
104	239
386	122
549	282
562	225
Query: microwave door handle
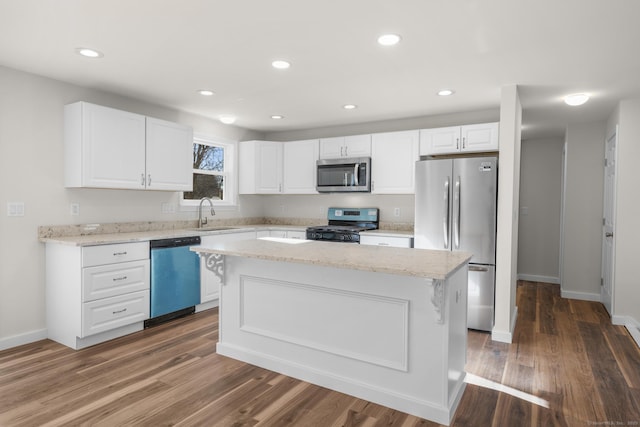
355	173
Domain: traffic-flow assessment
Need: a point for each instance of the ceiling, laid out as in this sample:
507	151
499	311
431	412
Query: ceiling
163	51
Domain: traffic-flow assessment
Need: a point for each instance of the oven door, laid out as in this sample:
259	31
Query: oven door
344	175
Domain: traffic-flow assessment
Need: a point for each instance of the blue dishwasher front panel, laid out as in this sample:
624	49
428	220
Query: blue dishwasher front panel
175	279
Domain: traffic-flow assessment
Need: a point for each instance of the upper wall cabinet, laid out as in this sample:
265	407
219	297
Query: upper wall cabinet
345	146
393	157
459	139
109	148
269	167
300	159
260	167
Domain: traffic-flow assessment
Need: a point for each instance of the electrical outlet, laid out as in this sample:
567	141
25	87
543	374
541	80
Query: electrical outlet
167	208
396	211
74	209
15	209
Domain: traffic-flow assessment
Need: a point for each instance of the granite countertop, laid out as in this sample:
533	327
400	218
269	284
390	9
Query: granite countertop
142	236
426	263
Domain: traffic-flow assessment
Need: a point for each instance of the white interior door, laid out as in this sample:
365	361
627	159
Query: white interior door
608	224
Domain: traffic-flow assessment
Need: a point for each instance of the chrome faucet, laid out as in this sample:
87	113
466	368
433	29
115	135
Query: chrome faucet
203	220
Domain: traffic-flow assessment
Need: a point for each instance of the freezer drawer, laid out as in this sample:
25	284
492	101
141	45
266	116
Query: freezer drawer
481	298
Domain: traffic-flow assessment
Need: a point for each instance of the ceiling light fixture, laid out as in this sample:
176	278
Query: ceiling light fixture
89	53
277	117
349	106
445	92
227	119
576	99
206	92
389	39
280	64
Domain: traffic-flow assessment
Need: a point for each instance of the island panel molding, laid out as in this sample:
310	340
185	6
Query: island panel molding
381	323
341	287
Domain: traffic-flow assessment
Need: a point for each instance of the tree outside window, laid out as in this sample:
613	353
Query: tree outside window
212	167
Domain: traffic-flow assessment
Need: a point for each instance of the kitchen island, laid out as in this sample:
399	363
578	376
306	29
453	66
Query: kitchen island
383	324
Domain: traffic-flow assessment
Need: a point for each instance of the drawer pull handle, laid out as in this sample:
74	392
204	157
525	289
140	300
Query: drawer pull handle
383	244
115	279
120	311
119	253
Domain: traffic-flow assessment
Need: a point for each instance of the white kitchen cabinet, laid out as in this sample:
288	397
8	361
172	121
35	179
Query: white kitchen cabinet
96	293
299	164
261	167
169	154
459	139
345	146
393	157
392	241
109	148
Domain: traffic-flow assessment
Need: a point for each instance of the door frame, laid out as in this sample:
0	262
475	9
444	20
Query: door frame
609	302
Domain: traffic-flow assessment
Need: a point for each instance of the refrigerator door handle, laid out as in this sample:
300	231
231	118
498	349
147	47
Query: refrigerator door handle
445	216
456	219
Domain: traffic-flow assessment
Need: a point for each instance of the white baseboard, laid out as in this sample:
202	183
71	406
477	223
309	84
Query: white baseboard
584	296
632	325
28	338
504	336
537	278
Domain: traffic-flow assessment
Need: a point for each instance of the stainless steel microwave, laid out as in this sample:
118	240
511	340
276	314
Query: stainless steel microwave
344	175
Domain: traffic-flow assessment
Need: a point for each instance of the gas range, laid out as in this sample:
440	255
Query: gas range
345	225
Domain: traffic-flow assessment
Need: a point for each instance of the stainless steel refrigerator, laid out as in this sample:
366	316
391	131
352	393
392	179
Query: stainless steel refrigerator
456	210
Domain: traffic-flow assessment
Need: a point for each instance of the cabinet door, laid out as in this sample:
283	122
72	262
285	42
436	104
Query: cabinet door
268	167
110	313
393	157
332	148
478	138
300	159
112	144
440	140
169	153
357	146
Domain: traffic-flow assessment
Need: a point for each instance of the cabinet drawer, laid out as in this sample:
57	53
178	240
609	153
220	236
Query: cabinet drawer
110	313
109	254
114	279
397	242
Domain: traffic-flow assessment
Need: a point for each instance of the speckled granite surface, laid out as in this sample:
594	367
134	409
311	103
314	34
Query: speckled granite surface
401	261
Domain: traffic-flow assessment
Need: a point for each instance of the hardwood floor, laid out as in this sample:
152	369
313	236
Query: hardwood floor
568	366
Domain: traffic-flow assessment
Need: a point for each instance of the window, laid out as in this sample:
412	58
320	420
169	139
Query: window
213	172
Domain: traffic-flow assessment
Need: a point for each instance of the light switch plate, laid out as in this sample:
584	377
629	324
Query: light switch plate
15	209
74	209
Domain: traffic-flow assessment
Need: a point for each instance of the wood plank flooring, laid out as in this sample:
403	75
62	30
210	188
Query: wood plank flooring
568	366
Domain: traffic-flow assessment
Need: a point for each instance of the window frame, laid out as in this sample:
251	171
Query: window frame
230	173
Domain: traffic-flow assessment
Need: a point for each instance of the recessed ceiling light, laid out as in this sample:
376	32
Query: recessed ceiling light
280	64
576	99
89	53
445	92
206	92
277	117
389	39
227	119
349	106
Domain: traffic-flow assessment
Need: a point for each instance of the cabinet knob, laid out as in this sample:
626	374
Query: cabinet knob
142	179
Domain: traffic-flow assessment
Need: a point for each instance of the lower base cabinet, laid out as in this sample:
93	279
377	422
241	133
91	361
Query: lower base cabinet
96	293
393	241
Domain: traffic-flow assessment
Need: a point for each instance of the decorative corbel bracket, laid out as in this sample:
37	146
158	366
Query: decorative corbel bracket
437	299
215	264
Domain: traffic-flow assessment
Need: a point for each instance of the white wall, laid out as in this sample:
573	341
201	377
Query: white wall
627	231
581	254
508	199
31	171
540	199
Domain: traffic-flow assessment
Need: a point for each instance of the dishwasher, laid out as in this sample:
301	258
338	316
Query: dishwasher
175	279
